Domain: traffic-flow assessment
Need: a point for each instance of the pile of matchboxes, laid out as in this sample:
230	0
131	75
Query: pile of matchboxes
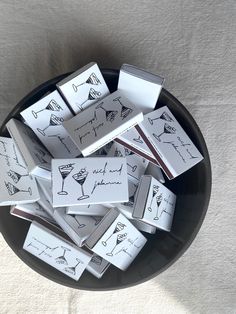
86	166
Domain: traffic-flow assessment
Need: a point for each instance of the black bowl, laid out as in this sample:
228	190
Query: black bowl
192	188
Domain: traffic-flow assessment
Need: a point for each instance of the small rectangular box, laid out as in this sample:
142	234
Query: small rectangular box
88	210
168	142
116	240
45	118
154	203
16	185
102	122
35	155
97	266
56	251
84	181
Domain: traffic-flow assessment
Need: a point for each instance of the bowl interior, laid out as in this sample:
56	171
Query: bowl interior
192	188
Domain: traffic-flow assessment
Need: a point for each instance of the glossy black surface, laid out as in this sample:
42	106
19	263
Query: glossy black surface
193	191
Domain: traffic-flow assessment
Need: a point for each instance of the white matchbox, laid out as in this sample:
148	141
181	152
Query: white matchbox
46	187
88	210
168	142
56	251
116	240
154	203
16	185
45	118
97	266
84	181
35	155
102	122
155	171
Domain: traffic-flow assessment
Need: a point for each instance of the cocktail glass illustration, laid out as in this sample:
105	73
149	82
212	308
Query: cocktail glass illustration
110	114
62	259
163	116
138	140
167	129
125	111
119	227
158	201
54	121
120	238
96	259
92	79
64	170
133	168
80	177
92	95
72	270
52	106
79	224
16	176
12	189
155	190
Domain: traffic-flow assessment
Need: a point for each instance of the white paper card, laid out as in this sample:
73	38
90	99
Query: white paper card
102	122
36	157
45	118
171	146
56	251
84	181
97	266
121	243
33	209
46	187
16	185
88	210
84	87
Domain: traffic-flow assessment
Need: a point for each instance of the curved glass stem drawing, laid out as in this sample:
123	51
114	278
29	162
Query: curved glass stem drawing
93	95
138	140
72	270
110	114
79	224
64	170
12	189
158	201
163	116
62	259
92	79
120	238
167	129
16	176
54	121
125	111
80	178
52	106
155	190
133	168
119	227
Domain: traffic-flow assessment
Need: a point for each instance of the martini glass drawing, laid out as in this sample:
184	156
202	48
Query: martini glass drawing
52	106
92	95
167	129
12	189
92	79
16	176
72	270
138	140
64	170
158	201
119	227
120	238
80	177
163	116
110	114
62	259
54	121
133	168
79	224
125	111
155	189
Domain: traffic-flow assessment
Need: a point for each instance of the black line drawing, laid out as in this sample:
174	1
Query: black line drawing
92	95
46	247
64	170
120	238
155	190
16	158
125	111
12	189
80	178
94	118
62	259
52	106
128	152
119	227
96	259
110	114
15	176
54	121
40	154
61	140
92	80
33	246
79	224
96	219
4	145
158	202
133	168
72	270
138	140
167	129
163	116
118	153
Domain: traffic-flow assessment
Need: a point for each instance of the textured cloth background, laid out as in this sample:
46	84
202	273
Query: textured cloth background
193	45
